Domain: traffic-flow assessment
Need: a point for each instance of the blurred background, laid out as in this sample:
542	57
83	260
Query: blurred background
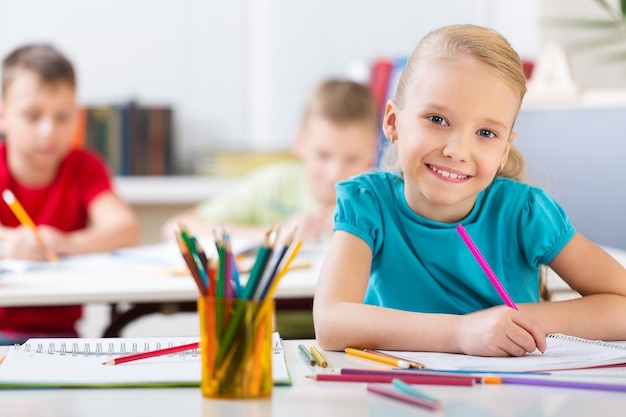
230	77
216	87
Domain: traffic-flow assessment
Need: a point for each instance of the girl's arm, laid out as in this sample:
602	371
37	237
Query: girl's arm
601	281
111	225
342	320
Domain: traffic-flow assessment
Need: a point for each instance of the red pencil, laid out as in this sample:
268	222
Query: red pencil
152	354
402	373
430	380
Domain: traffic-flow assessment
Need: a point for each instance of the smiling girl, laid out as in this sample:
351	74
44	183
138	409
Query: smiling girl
399	277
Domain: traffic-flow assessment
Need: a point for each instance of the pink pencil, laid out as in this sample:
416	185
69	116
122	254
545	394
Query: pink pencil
391	393
485	266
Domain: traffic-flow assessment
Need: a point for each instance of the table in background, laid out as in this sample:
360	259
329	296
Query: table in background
144	288
316	398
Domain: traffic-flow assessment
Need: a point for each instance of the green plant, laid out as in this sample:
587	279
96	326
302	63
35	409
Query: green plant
609	33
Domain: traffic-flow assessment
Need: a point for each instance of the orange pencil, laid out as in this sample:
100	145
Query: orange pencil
25	219
152	353
193	269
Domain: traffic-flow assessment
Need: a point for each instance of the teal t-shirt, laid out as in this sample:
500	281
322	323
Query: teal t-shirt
423	265
269	195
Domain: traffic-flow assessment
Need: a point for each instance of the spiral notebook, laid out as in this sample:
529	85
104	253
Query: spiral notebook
79	363
563	352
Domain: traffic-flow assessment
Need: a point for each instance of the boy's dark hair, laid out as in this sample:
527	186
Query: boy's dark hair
342	102
48	63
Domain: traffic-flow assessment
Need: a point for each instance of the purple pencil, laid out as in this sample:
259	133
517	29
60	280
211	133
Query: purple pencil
546	382
485	266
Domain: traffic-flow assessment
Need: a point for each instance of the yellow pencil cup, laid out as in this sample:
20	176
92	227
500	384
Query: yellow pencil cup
236	348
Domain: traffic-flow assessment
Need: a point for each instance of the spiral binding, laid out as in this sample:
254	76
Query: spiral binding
106	349
602	343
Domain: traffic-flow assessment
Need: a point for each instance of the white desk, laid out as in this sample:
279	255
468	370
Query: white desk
146	287
315	398
130	281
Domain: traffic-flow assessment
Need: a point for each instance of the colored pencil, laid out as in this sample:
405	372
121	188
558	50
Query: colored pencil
374	356
547	382
400	373
191	265
293	252
412	364
485	266
321	361
263	256
418	379
307	355
277	264
17	209
152	354
410	390
411	399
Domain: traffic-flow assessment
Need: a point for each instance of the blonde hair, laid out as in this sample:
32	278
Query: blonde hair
343	102
485	45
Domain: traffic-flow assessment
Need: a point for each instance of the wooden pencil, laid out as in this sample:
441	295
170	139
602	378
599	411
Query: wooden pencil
195	274
152	354
418	379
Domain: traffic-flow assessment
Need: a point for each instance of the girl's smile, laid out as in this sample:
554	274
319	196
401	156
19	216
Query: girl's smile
448	174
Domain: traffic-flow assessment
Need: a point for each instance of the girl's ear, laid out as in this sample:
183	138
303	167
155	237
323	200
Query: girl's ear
390	120
507	149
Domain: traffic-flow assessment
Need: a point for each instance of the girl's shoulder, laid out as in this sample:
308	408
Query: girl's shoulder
509	192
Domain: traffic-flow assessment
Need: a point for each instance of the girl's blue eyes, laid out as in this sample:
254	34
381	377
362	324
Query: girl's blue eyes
486	133
481	132
438	120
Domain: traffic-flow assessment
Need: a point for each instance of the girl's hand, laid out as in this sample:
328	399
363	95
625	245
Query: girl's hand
499	331
21	243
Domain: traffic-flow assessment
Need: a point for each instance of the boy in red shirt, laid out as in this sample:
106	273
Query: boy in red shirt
67	192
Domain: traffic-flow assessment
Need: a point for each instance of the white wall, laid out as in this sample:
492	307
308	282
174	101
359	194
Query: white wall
590	70
238	72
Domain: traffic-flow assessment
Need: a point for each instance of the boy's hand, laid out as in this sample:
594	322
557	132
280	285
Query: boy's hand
56	240
499	331
21	243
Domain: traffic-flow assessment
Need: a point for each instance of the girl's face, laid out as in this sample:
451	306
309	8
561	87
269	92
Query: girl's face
454	132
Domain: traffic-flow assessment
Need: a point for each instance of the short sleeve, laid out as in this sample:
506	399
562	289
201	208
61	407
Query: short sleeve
244	204
358	212
93	172
270	194
545	228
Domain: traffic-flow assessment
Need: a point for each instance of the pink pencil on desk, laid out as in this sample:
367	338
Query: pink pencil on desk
485	266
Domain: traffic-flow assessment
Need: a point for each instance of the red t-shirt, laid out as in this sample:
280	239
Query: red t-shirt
62	204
